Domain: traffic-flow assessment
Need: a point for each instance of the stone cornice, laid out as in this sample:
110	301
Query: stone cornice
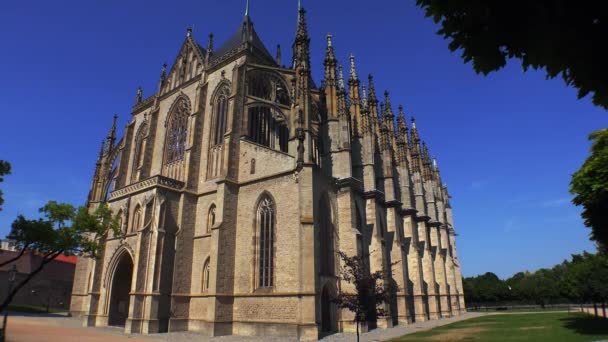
152	182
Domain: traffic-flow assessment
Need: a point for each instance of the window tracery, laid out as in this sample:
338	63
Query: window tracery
266	228
220	114
268	86
206	273
177	127
265	129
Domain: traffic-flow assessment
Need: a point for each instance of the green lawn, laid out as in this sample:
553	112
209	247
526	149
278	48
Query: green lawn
524	327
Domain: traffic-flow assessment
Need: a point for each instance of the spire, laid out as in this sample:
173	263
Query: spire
210	44
163	77
112	135
330	62
101	150
301	45
189	31
373	100
353	70
402	124
389	117
247	9
340	78
278	57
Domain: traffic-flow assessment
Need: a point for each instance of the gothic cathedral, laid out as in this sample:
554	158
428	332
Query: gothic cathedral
239	179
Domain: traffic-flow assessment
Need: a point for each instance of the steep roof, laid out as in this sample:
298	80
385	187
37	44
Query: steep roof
245	33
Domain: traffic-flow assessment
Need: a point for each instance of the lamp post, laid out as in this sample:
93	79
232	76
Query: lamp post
12	273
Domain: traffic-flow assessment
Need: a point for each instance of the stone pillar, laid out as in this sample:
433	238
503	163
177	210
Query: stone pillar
415	270
428	271
399	270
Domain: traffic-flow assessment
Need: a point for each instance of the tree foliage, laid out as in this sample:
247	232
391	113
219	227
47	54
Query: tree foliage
566	38
581	280
371	290
5	169
64	229
590	186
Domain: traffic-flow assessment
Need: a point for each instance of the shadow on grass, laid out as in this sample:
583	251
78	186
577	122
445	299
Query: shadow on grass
586	324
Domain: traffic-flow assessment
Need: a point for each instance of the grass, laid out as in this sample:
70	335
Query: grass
559	327
32	309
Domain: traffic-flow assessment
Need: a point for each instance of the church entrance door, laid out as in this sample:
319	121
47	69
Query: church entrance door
119	296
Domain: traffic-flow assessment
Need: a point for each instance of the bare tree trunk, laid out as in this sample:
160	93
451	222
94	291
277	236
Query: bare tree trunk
15	258
45	260
357	331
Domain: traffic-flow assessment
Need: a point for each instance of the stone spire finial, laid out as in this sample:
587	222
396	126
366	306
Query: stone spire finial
139	96
353	70
364	96
278	56
101	150
373	100
301	45
210	43
403	130
189	31
163	72
112	134
247	9
340	77
388	108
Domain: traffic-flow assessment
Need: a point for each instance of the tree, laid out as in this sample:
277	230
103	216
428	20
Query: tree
564	37
5	169
590	186
63	230
589	273
372	290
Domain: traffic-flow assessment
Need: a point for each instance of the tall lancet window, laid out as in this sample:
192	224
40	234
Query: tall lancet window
177	128
220	114
205	283
265	254
210	219
138	153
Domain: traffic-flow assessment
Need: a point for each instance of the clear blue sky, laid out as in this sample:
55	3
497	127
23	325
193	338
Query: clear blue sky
506	143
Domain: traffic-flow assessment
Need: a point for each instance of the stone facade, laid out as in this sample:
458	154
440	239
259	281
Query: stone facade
238	181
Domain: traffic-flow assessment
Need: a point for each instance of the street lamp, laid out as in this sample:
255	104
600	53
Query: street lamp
12	274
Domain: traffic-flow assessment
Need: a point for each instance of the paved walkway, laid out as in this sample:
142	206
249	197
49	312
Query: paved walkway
59	328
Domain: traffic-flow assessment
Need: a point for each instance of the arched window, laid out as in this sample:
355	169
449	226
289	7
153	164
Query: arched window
177	127
265	222
267	86
265	129
205	283
326	236
220	114
210	219
136	219
138	152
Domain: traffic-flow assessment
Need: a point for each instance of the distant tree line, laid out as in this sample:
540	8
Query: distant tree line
584	279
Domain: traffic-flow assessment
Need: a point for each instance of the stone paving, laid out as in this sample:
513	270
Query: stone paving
50	328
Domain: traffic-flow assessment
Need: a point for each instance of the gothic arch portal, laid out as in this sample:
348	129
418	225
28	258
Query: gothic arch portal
119	281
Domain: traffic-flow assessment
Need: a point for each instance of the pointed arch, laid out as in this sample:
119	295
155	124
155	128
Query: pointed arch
210	219
265	236
139	151
137	219
206	275
219	107
177	130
